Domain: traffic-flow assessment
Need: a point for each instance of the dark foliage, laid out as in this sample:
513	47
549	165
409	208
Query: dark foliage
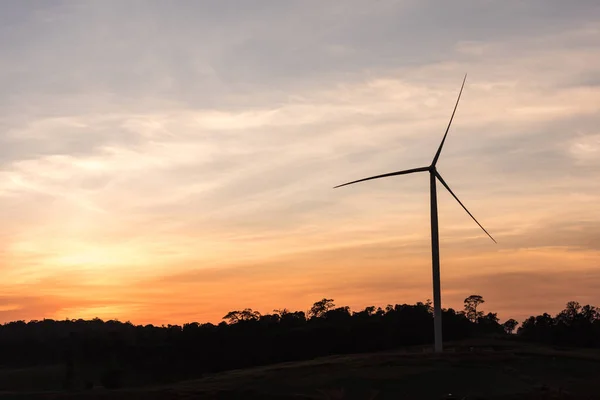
575	326
126	352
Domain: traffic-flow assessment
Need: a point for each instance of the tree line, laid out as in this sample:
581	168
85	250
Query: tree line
135	354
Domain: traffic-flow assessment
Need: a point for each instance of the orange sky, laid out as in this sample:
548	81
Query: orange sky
148	178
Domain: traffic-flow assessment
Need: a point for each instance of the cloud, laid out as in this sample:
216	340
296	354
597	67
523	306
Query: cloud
194	141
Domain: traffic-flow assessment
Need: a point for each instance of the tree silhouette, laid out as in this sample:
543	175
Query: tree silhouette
590	313
471	304
320	308
489	317
510	325
281	312
245	315
367	312
338	313
161	354
575	325
570	314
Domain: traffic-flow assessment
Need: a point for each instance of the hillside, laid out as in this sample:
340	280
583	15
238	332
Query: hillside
483	369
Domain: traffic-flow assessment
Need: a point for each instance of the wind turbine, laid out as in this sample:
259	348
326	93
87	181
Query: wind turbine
435	244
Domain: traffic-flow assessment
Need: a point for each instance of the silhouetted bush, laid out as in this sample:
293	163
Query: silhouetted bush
575	326
172	352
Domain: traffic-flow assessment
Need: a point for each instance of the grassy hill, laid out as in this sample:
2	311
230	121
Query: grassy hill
483	369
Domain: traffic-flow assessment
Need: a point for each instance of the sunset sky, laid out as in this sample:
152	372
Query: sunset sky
167	162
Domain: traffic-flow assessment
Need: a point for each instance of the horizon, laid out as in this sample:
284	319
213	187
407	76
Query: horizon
169	164
307	313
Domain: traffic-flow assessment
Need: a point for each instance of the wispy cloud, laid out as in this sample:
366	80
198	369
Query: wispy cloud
193	149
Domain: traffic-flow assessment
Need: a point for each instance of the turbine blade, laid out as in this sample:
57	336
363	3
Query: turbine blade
437	174
437	155
407	171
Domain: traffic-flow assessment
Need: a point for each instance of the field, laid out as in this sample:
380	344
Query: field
491	370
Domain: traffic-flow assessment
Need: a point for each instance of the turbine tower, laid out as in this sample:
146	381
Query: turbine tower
435	244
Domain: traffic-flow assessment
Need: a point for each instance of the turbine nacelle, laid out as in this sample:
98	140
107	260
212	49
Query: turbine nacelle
431	168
